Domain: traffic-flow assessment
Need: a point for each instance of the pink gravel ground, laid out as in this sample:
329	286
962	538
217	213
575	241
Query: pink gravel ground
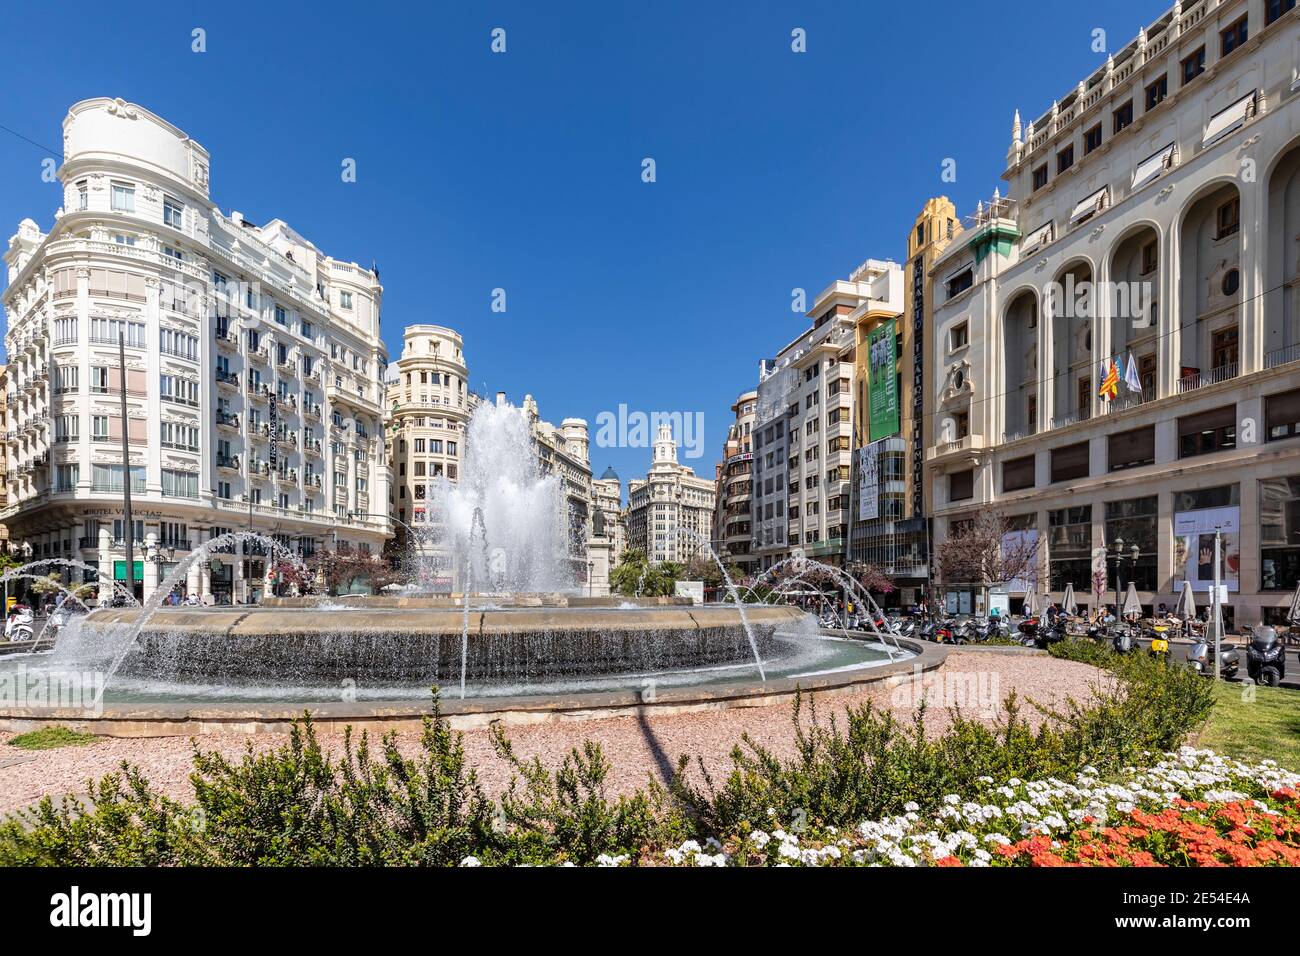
637	747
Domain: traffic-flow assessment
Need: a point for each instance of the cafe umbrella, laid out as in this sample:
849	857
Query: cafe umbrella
1185	609
1068	604
1132	604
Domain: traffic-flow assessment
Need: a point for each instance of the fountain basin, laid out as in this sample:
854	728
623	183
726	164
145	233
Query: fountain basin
158	717
382	643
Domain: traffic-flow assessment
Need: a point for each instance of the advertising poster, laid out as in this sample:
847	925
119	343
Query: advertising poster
1194	548
883	381
869	483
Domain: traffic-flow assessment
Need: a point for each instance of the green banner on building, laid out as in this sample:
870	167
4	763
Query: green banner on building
882	367
119	571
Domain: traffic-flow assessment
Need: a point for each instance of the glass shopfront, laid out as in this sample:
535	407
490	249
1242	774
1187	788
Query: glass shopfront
1136	521
1069	548
1279	534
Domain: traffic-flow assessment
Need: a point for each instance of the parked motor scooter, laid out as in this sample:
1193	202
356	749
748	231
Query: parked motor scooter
19	626
1159	635
949	632
1201	658
1037	632
1265	656
1123	639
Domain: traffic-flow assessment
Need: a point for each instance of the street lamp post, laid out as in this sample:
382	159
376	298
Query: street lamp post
1134	552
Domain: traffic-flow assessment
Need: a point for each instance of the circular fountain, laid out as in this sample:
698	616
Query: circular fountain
517	644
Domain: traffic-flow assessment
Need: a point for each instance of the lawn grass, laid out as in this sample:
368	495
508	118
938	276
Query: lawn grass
1266	728
50	738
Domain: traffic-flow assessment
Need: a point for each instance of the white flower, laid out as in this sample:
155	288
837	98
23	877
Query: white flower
470	861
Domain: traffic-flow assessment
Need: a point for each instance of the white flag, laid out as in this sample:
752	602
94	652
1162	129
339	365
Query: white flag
1132	379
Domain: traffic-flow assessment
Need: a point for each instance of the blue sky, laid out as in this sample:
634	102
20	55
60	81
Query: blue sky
522	170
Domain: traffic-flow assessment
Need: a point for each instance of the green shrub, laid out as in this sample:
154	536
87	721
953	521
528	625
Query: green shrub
870	765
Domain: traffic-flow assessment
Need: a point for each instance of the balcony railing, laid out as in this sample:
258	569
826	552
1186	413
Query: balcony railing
1073	418
1284	356
228	461
228	419
1129	399
227	378
1224	373
1025	432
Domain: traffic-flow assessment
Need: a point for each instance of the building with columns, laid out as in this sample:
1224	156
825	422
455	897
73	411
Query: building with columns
254	371
670	511
1155	225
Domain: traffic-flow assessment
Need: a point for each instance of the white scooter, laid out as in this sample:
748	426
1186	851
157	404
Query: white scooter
19	625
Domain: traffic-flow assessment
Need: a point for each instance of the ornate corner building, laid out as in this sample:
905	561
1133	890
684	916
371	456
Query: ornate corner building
1152	252
254	371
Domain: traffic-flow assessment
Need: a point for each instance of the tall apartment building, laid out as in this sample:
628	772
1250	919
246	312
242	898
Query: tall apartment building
732	519
803	435
888	529
4	459
608	539
1155	224
429	408
254	370
565	453
670	511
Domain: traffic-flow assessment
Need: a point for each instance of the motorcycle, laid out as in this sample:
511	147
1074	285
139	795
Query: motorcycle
1201	657
1265	656
19	625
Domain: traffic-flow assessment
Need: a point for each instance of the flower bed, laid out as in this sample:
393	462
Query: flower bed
1193	808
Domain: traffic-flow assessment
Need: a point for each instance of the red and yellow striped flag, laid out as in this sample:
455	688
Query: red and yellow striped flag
1110	385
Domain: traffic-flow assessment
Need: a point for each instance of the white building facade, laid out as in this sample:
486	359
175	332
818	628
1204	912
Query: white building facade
254	371
670	511
1156	224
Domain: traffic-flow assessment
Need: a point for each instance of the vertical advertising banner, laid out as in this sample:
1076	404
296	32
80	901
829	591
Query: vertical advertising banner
869	483
882	361
1194	548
